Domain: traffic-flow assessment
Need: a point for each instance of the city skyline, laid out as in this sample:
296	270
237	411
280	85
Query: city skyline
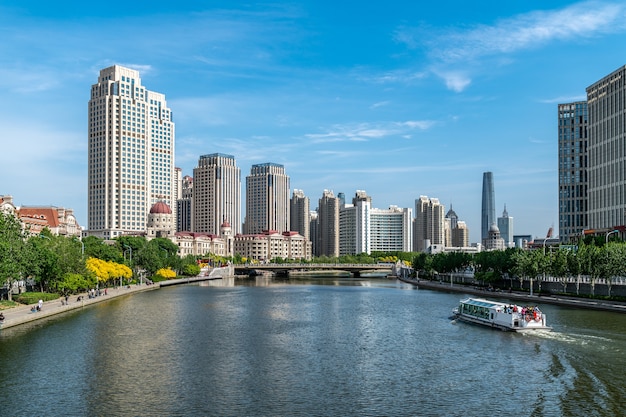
400	101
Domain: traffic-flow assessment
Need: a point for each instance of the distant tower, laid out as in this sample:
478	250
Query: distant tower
184	221
300	214
489	205
505	224
328	225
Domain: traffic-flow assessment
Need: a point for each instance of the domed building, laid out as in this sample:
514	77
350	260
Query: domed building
160	222
493	241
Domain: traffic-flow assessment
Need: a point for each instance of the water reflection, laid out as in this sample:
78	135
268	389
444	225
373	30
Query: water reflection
308	346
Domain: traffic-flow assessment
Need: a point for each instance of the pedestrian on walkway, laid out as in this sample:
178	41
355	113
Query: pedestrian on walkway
40	304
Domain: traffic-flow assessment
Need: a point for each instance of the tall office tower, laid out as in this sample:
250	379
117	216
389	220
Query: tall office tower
184	205
607	151
131	153
429	224
505	225
267	199
488	212
300	212
573	163
354	225
460	235
314	232
216	194
328	224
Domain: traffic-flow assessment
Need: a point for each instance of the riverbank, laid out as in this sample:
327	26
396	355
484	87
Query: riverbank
23	314
561	300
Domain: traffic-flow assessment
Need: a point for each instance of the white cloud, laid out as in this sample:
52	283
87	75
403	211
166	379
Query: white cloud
366	131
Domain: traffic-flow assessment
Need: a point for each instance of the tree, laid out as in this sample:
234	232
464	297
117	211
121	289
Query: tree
11	250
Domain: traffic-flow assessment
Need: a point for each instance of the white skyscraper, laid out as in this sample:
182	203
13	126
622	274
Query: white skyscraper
131	153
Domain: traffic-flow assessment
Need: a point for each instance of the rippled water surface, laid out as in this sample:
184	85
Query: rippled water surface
320	347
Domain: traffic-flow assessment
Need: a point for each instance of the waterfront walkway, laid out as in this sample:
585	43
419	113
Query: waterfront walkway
15	316
556	299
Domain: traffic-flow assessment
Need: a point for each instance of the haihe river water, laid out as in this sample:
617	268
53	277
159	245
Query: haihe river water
314	347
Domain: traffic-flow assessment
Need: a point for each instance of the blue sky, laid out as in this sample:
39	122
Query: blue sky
400	99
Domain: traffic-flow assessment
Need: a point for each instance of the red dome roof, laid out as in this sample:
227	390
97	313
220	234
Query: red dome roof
160	208
225	224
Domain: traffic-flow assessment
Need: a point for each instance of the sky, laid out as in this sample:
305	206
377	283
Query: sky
397	98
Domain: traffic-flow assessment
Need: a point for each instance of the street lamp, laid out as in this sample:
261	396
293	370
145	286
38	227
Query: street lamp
606	238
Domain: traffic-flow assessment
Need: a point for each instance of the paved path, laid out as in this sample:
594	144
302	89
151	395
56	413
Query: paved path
23	314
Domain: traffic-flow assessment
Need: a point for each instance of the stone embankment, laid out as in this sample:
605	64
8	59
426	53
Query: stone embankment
561	300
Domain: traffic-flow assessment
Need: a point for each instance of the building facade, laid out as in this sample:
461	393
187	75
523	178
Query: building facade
606	186
184	217
429	227
271	244
131	137
267	199
488	209
355	225
460	235
505	225
391	229
300	214
216	194
573	164
328	225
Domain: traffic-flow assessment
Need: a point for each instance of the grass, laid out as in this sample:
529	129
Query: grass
4	304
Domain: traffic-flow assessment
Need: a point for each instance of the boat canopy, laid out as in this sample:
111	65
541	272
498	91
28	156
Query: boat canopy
481	303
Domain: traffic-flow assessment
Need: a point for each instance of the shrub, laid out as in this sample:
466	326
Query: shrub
34	297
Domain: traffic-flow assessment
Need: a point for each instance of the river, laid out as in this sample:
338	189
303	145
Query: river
309	347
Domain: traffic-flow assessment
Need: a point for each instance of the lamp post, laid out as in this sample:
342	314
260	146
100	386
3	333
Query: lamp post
606	238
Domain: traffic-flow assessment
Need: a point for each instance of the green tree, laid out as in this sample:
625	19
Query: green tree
12	252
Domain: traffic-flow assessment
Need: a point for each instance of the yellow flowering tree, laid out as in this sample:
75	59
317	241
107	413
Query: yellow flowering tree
166	273
107	270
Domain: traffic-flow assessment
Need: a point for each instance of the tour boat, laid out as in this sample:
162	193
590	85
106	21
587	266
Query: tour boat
503	316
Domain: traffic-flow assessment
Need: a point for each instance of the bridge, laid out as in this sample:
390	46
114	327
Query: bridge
283	269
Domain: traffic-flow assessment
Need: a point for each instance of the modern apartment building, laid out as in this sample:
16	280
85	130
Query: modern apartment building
328	225
267	199
354	225
429	224
573	164
300	214
391	229
131	137
460	235
606	170
216	194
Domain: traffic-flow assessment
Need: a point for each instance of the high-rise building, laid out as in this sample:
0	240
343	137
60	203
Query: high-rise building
573	160
314	234
607	151
216	194
184	219
450	224
267	199
328	225
460	235
505	225
130	153
429	224
300	214
391	229
488	212
354	225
